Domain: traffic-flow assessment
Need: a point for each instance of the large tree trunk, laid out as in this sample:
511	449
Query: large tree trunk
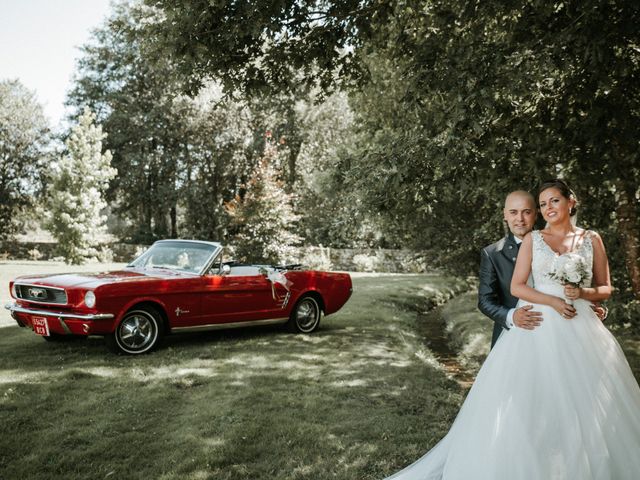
629	229
294	143
294	150
147	211
174	224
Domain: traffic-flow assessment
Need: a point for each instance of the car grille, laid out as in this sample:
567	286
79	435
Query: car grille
37	293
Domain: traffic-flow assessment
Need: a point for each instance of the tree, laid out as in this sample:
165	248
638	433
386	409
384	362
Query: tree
218	160
462	101
179	158
263	216
78	182
327	131
24	149
251	45
499	93
144	117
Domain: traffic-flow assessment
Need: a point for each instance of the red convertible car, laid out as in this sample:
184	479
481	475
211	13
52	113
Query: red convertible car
175	286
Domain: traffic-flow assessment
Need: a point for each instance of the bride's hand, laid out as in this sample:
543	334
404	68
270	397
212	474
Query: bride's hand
563	308
571	292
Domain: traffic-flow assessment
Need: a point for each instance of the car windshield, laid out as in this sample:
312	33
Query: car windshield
189	257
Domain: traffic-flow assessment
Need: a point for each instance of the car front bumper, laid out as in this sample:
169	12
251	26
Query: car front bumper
62	323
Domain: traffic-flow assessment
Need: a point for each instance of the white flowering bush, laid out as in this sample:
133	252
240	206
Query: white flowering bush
316	258
366	263
34	254
77	184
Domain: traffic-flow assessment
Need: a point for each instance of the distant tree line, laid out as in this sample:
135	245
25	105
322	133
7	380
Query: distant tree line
394	123
24	153
182	159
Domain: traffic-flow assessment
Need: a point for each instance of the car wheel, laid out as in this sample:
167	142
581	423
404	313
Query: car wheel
305	316
139	331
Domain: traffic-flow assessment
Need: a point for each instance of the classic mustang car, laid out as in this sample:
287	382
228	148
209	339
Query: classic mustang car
175	286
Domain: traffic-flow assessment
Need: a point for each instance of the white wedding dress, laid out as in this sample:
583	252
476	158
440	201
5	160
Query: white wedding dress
555	403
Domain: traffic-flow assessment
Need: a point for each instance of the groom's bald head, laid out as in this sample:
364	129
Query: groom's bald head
520	195
520	212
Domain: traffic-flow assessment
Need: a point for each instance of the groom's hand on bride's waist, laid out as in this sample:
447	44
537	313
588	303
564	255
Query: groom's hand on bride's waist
600	310
525	317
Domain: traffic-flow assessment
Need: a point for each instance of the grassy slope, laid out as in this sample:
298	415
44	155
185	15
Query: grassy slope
469	331
356	400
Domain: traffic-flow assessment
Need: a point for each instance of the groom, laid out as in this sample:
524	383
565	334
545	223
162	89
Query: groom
497	262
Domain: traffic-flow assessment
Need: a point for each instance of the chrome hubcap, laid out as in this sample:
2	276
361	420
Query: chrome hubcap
137	331
307	314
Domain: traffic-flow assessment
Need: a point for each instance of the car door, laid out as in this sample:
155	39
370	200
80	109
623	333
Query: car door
237	298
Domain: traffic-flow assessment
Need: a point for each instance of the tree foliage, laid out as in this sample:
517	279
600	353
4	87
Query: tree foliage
181	159
330	215
500	96
263	216
456	104
218	158
24	150
77	184
251	45
145	118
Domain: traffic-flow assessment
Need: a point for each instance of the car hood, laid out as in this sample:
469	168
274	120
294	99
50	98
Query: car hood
94	280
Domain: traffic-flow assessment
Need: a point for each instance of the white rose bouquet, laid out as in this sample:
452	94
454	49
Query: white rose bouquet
570	269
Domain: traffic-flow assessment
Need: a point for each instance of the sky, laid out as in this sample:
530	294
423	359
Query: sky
39	42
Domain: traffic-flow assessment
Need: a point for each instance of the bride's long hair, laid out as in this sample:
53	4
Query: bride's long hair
566	192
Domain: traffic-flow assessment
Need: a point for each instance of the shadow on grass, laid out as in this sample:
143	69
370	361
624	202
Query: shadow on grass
24	350
357	399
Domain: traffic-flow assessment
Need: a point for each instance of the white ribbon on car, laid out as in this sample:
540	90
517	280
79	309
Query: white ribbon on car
276	276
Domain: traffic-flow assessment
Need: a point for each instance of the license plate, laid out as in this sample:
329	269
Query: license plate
40	326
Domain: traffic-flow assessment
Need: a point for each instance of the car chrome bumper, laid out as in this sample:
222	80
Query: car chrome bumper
13	307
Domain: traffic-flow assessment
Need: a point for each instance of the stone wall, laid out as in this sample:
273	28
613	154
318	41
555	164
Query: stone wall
364	260
321	258
26	250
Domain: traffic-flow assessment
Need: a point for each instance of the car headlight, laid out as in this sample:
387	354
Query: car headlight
14	292
90	299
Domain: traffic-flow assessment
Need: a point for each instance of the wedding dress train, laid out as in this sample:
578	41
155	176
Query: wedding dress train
556	403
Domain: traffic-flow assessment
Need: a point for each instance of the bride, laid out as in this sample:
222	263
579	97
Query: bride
555	403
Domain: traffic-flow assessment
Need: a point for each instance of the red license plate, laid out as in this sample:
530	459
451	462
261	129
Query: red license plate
40	326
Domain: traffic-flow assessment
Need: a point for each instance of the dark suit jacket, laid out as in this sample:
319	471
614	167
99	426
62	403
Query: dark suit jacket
497	262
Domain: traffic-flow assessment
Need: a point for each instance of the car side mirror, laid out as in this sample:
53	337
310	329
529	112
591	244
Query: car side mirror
225	270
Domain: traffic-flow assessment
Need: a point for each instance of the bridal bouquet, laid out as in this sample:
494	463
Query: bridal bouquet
570	269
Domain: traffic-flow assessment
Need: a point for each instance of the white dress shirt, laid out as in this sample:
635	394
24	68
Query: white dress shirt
511	311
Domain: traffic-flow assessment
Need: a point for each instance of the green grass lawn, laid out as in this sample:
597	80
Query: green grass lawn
358	399
469	331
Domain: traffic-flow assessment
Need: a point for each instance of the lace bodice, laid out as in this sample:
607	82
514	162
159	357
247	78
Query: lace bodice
543	262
